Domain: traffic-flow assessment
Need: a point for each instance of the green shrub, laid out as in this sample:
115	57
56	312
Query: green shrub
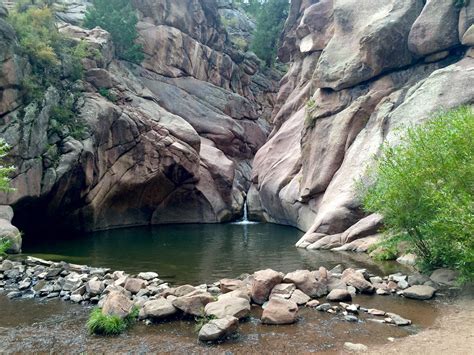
5	171
202	320
120	19
270	21
424	188
4	246
107	94
100	324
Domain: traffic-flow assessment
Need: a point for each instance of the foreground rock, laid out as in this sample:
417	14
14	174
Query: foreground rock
157	309
194	302
229	306
280	311
356	348
117	304
218	328
419	292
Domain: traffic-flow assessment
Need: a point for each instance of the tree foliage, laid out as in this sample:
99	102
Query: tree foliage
424	188
270	20
120	19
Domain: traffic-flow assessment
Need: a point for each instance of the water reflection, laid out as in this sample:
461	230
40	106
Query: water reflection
195	253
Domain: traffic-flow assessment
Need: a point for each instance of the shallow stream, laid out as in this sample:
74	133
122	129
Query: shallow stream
199	254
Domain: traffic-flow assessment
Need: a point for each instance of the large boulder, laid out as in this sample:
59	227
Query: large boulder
218	328
237	307
193	303
263	283
306	281
356	279
436	29
419	292
280	311
445	277
157	309
117	304
10	233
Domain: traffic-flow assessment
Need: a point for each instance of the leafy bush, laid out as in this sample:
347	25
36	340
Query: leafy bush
107	94
101	324
270	22
120	19
5	171
424	188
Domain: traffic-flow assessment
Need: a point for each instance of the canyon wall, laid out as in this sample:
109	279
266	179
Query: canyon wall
359	71
170	140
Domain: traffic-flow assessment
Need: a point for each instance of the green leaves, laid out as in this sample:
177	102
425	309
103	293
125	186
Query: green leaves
424	188
120	20
270	20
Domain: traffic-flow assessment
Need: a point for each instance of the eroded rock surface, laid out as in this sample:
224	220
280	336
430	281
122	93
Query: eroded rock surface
359	70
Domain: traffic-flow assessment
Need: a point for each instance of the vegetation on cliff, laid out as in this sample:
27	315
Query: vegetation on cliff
424	188
119	19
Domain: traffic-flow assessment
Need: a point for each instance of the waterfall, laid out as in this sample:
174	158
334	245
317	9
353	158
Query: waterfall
245	218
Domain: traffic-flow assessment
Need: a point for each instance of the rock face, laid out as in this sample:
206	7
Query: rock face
173	145
359	70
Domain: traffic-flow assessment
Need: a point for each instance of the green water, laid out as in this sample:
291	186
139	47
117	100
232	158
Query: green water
193	253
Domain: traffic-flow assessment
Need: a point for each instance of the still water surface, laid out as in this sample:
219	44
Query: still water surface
195	253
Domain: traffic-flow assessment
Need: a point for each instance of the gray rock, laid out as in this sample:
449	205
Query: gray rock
356	348
351	318
398	320
299	297
407	259
417	279
76	298
147	276
134	285
14	294
324	307
445	277
117	304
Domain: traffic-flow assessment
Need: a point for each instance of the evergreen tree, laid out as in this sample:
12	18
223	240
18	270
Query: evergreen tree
120	20
270	23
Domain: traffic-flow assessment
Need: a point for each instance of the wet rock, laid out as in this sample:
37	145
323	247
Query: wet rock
357	280
351	318
339	295
218	328
193	303
336	283
376	280
402	284
229	306
76	298
14	294
419	292
228	285
382	292
24	284
338	269
444	277
117	304
306	281
397	277
299	297
356	348
312	304
147	276
280	311
134	285
324	307
376	312
157	309
263	283
398	320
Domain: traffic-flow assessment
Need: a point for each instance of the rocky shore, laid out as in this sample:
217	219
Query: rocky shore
219	306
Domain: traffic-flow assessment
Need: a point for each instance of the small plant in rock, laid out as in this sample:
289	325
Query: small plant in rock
202	320
101	324
108	95
5	171
4	246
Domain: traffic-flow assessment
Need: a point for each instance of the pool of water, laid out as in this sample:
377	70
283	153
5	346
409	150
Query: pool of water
195	253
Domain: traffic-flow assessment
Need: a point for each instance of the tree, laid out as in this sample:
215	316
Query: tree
424	188
270	23
120	19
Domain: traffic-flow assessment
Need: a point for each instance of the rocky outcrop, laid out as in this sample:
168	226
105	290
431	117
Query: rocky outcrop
168	141
359	70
